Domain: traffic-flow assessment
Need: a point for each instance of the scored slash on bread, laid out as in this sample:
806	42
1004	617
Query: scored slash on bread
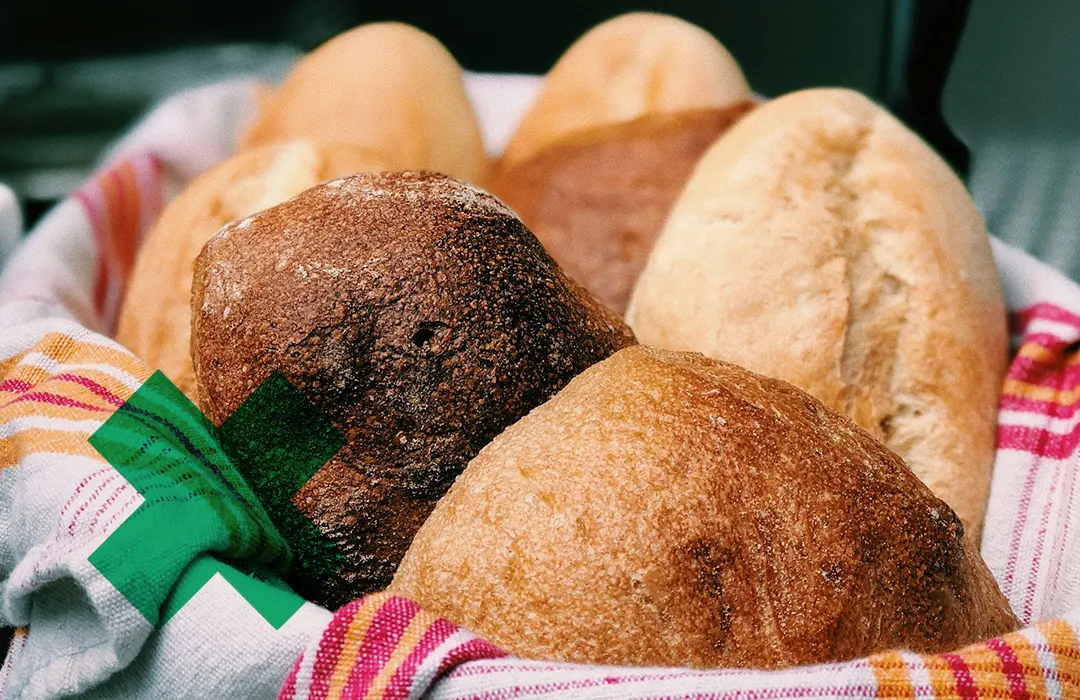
822	242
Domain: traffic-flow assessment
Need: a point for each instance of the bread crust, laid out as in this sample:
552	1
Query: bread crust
155	319
668	509
822	242
635	64
598	199
386	86
419	315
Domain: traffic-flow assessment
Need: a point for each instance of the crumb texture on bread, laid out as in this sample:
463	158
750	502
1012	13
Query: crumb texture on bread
668	509
822	242
419	315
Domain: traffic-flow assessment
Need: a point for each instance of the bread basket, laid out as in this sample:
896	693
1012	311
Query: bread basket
61	376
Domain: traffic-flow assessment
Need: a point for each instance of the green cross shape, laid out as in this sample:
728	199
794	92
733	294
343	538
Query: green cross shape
197	501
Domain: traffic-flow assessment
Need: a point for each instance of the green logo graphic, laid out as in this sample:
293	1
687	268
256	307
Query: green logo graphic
197	500
279	441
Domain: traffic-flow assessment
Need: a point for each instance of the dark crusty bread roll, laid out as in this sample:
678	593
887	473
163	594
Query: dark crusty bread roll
155	320
419	315
598	199
669	509
822	242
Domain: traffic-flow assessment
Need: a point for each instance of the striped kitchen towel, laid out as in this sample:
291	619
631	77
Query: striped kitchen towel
385	647
1031	543
61	378
60	501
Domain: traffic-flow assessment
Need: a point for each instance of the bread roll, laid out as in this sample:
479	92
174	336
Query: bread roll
155	320
635	64
419	315
822	242
667	509
598	199
385	86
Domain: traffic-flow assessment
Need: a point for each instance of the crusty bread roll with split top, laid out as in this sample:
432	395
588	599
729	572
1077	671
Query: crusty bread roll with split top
822	242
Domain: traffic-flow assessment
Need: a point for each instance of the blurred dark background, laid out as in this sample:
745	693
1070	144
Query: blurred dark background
782	43
74	74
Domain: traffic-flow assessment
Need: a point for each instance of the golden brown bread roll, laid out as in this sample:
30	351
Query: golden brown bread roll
668	509
598	199
386	86
635	64
822	242
155	320
419	315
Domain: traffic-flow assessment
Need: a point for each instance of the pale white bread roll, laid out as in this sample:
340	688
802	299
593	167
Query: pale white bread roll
385	86
635	64
822	242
